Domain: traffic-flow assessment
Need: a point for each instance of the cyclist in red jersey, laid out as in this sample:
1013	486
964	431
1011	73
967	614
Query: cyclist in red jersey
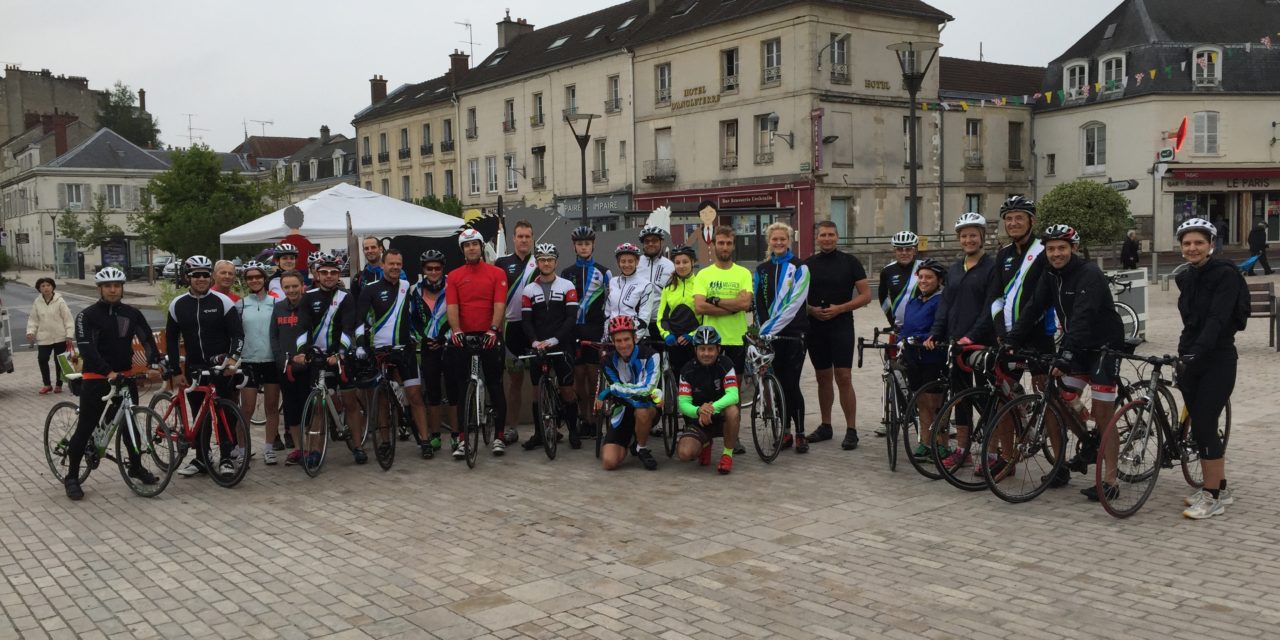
477	301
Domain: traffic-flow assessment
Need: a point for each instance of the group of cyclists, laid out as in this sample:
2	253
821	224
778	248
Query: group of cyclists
657	310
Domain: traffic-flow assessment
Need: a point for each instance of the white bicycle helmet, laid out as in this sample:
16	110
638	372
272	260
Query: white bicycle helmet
469	235
904	239
546	250
198	262
652	230
108	274
971	219
1197	224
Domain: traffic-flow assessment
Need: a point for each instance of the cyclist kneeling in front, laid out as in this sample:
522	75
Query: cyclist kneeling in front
708	401
632	374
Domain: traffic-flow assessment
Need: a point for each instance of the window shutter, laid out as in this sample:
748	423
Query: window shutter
62	195
86	197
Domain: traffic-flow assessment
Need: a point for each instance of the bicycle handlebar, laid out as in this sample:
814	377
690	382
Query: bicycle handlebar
535	354
1160	361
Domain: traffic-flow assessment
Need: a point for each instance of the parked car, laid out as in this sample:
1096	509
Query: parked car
170	269
6	341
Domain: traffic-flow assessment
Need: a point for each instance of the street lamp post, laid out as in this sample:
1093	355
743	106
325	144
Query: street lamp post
913	77
582	138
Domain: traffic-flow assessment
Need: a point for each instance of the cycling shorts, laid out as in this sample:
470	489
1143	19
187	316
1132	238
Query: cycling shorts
1100	371
260	374
921	373
693	429
406	367
624	433
561	367
831	344
517	345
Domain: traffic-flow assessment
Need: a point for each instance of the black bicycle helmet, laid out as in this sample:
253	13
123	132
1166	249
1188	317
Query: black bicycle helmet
1060	232
431	255
934	266
583	233
685	250
705	335
1018	203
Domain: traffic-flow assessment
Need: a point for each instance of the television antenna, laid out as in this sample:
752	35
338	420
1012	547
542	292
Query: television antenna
264	124
469	41
192	138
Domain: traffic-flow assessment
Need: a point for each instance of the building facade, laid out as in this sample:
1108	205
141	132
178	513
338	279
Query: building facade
27	93
320	164
1121	96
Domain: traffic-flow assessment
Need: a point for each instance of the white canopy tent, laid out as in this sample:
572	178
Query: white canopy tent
325	217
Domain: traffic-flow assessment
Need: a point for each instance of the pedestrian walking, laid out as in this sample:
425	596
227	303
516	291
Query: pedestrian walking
1258	247
1129	252
52	328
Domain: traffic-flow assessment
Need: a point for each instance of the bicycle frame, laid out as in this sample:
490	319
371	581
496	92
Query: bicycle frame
188	432
107	428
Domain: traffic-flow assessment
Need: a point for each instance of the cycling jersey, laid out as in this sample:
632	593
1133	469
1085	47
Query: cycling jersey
255	318
897	285
781	292
633	296
549	311
963	312
476	289
287	332
675	311
716	383
631	380
327	319
1207	302
716	282
834	277
429	322
227	292
519	272
657	270
1081	298
592	283
104	335
1018	272
382	313
917	323
370	274
207	325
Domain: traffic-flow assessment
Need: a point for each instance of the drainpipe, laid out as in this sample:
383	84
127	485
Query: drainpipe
1035	160
942	169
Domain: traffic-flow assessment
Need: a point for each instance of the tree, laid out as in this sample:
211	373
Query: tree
93	232
1098	213
195	203
449	204
117	111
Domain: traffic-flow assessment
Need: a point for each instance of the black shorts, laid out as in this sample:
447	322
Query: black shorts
590	333
405	364
693	429
737	354
561	366
1040	343
1100	370
260	374
624	434
922	373
831	344
438	382
517	345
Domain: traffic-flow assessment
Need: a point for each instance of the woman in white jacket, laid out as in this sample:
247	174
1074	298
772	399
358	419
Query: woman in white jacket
52	327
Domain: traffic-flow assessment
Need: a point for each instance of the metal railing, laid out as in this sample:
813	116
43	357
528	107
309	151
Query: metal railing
535	120
660	170
973	159
473	133
366	160
729	83
600	175
764	157
446	146
539	182
509	125
840	73
384	156
771	75
613	105
663	96
427	149
729	161
404	153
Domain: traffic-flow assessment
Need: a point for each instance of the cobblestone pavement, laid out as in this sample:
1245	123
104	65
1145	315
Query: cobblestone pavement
827	545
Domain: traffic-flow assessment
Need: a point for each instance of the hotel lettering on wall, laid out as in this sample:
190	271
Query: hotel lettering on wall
695	97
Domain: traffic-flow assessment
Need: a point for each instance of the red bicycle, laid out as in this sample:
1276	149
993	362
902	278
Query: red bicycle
217	425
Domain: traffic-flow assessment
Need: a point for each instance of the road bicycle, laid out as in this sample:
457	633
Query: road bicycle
1141	439
387	407
995	387
133	427
322	414
475	412
767	402
1030	437
897	393
917	434
549	417
670	410
603	417
217	423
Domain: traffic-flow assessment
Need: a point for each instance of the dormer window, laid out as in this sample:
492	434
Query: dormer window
1075	75
626	23
337	164
1206	70
497	57
280	172
315	169
594	32
559	41
1112	73
297	171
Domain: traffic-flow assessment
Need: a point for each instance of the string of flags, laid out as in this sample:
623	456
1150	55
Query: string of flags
1113	84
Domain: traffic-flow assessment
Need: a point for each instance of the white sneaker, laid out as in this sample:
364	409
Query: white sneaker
460	451
269	456
499	447
226	468
191	469
1224	496
882	430
1206	507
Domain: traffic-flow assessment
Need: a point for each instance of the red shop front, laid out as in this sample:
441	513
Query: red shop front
749	209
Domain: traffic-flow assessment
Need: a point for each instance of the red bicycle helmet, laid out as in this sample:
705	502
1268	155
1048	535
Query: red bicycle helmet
621	323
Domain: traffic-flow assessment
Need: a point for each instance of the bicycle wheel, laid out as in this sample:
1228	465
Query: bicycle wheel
1128	318
228	443
892	422
59	426
471	418
1032	426
961	471
1133	442
1189	452
548	416
145	429
384	421
602	417
768	418
315	433
915	433
670	413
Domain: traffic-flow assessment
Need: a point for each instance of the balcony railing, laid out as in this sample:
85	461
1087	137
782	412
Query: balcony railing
973	159
729	161
473	133
771	75
764	157
384	156
613	105
729	83
664	96
569	113
840	73
660	170
427	149
600	175
535	120
366	160
446	146
405	153
1015	163
509	125
539	182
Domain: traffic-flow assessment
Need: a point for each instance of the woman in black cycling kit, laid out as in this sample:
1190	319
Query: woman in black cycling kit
1207	297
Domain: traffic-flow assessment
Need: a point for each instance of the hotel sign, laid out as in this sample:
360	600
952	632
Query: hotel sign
695	97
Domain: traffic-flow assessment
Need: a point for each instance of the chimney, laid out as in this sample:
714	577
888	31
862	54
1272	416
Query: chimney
459	64
377	89
653	6
509	30
324	134
142	100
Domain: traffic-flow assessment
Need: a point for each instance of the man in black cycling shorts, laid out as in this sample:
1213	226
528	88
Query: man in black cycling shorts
709	402
520	269
1080	297
549	311
104	336
325	317
632	374
838	286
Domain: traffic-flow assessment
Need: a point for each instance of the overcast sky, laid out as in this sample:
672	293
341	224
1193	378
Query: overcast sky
304	64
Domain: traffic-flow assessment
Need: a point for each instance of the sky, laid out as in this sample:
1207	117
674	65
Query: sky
300	65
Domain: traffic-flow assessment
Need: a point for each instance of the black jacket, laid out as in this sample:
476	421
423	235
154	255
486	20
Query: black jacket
964	302
208	326
1129	253
1207	301
1257	240
104	336
1081	299
1008	262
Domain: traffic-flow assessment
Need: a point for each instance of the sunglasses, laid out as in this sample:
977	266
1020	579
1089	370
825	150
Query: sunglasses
199	275
327	272
433	268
